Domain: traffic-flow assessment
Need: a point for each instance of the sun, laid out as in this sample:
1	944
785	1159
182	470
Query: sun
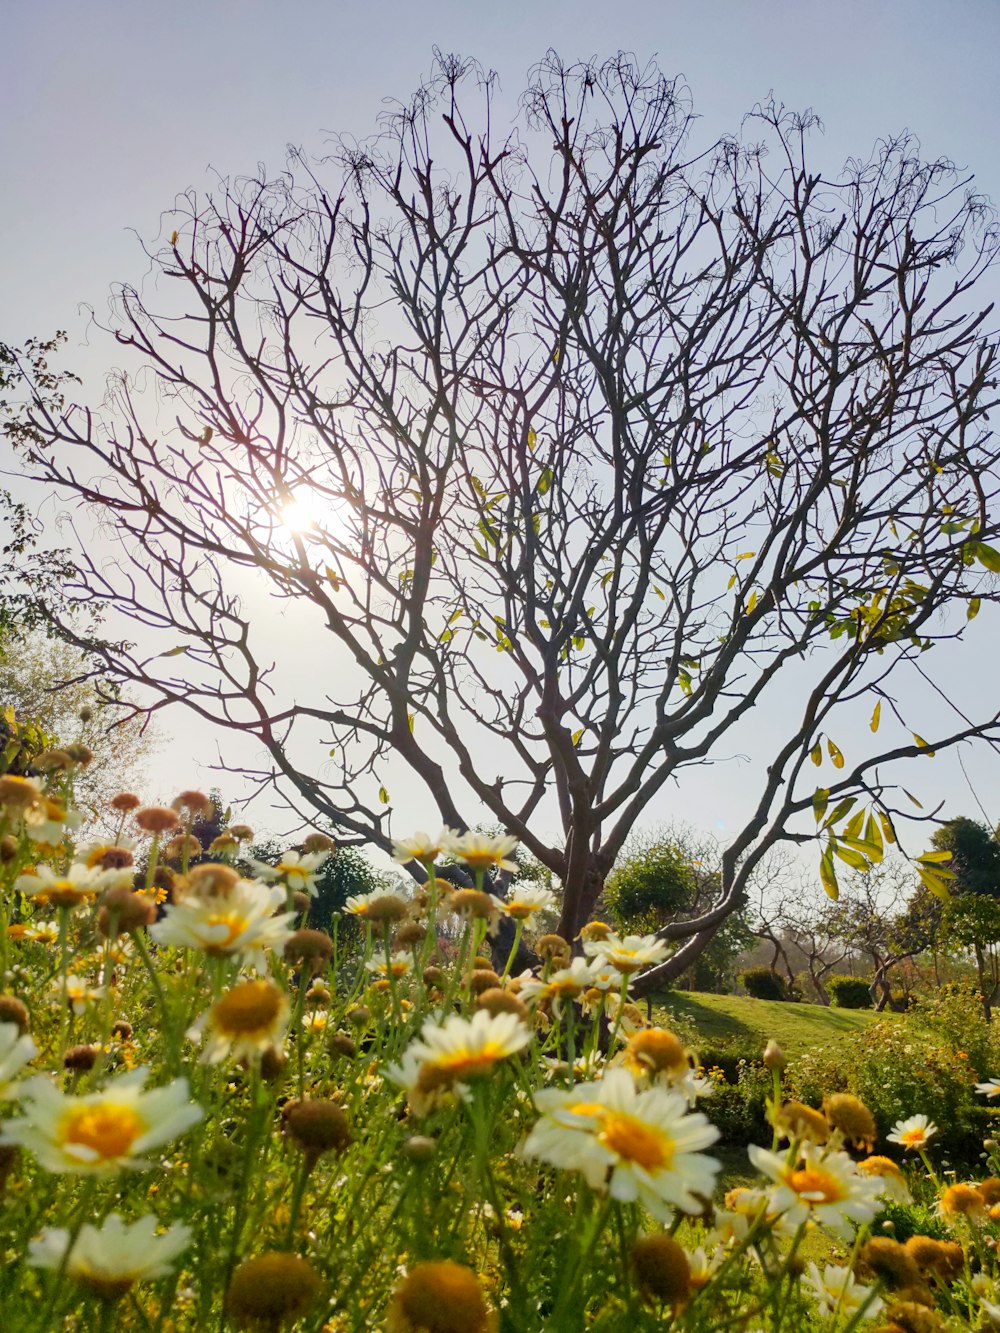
305	510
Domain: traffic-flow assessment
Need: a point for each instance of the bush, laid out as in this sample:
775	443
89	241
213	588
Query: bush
644	891
850	992
763	984
739	1110
898	1070
913	1219
728	1056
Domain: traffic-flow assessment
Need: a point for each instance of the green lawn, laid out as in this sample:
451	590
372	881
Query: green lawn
796	1027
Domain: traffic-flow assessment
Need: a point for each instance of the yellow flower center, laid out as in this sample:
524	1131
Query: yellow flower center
520	911
64	893
816	1186
635	1141
235	926
565	986
107	1129
251	1007
658	1049
912	1137
459	1067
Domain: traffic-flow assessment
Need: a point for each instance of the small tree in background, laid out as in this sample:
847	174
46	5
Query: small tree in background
971	917
650	886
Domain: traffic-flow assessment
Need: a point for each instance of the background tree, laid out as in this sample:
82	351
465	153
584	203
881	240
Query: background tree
580	443
33	575
49	697
878	918
972	909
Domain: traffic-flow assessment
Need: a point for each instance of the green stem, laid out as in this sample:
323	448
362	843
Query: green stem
519	931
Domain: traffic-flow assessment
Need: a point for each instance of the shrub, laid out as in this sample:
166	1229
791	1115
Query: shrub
850	992
763	984
913	1219
898	1070
955	1013
728	1056
645	890
739	1110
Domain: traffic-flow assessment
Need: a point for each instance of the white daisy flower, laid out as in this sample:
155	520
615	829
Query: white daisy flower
297	870
111	1257
421	847
640	1145
654	1055
991	1088
49	821
100	1131
914	1133
480	852
79	993
630	954
568	983
247	1021
458	1051
70	888
605	978
526	900
818	1186
743	1207
894	1184
398	965
15	1052
703	1263
837	1292
241	924
43	932
365	905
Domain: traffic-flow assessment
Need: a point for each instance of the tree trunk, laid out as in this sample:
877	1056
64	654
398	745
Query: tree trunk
583	885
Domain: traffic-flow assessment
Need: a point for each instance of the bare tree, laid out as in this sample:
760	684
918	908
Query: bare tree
801	934
607	442
886	918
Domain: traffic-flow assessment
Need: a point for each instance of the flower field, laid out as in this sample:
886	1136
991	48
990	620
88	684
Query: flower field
217	1116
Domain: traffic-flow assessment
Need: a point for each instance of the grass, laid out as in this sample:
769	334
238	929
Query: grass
796	1027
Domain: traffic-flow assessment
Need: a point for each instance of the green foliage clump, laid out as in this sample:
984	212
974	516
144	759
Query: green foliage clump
646	890
913	1219
738	1108
975	856
763	984
899	1070
954	1014
850	992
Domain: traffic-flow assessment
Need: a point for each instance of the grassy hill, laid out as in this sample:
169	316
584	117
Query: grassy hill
796	1027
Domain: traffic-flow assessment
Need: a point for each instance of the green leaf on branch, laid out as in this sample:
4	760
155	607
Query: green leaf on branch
988	557
855	859
841	810
821	798
828	874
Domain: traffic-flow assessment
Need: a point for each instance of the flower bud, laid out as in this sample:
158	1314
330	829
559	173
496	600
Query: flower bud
774	1057
271	1291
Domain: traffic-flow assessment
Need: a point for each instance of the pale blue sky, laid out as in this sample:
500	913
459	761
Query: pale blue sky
111	108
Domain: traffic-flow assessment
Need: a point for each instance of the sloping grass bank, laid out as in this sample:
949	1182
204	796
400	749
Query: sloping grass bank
796	1027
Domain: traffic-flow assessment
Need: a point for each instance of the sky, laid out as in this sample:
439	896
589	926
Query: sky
111	109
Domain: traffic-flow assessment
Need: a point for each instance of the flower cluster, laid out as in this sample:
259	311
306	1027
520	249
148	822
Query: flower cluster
219	1110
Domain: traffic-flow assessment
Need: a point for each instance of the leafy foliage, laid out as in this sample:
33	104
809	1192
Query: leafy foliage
850	992
763	984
